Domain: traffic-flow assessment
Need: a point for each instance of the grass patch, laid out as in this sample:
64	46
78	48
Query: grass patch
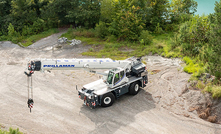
214	89
80	32
110	47
27	41
193	67
11	131
123	49
200	85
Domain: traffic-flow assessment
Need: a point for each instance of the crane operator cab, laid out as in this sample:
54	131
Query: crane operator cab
115	77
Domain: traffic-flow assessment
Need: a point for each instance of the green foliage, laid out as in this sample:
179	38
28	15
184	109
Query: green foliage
193	35
175	41
199	37
12	34
200	85
145	37
214	50
106	11
27	31
22	14
11	131
73	33
11	30
84	12
126	24
215	90
38	26
101	30
111	38
121	49
196	68
158	29
5	7
159	14
182	10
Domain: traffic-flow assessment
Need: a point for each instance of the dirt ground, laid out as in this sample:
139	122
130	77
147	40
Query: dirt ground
166	105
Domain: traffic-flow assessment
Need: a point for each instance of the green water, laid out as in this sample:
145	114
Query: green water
205	6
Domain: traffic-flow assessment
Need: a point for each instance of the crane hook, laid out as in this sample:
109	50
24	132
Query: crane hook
30	103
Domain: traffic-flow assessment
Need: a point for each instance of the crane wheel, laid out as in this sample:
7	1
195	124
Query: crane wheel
134	88
107	100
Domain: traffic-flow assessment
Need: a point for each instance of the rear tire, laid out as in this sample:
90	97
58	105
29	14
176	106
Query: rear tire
134	88
107	100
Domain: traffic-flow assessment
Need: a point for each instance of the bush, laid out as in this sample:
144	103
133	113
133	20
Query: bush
111	38
101	30
158	29
215	43
27	31
38	26
126	24
175	41
11	30
193	67
193	35
145	37
215	90
172	27
200	85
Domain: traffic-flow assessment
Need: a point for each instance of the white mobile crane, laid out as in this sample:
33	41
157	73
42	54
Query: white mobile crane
124	76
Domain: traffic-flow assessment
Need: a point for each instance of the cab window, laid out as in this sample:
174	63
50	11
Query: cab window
121	74
116	78
110	77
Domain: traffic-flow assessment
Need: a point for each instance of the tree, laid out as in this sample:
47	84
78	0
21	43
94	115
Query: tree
127	23
5	7
193	35
37	5
215	42
22	14
145	11
158	13
84	12
181	10
107	10
57	11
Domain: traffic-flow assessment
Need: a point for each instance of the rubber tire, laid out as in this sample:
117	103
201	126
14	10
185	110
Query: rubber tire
132	87
106	96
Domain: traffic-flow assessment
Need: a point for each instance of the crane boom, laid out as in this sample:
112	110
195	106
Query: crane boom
71	64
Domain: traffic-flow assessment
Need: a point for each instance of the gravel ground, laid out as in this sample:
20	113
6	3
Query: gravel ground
161	107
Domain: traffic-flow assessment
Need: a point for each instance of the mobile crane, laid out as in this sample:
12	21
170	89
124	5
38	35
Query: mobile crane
124	76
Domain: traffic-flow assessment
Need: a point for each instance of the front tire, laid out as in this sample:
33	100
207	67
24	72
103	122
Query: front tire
107	100
134	88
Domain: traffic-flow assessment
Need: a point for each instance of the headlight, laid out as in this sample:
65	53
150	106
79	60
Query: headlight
89	96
